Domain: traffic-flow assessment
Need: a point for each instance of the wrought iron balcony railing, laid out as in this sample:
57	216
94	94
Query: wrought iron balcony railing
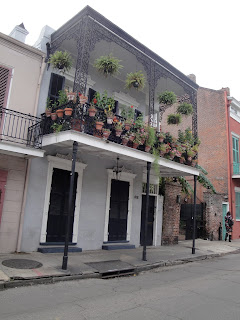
20	128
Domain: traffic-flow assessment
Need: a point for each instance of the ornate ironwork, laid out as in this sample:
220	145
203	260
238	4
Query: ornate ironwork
17	127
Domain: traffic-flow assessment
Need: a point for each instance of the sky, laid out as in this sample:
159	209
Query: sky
195	36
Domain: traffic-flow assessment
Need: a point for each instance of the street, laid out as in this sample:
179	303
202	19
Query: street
208	289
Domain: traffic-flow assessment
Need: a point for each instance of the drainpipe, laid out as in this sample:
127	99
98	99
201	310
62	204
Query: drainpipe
23	205
42	68
227	104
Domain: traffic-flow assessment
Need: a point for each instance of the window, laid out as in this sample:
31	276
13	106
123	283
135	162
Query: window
235	146
56	84
237	201
5	77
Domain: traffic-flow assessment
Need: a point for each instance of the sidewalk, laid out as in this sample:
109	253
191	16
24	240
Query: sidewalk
103	263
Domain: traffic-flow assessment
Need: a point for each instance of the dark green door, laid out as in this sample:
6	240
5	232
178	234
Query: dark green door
118	214
58	208
149	240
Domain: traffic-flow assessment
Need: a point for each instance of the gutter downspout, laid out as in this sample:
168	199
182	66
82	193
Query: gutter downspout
20	227
227	104
42	68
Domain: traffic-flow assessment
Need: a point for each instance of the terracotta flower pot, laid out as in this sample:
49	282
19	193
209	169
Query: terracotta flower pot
83	99
135	145
125	141
68	111
53	116
92	111
118	132
99	125
59	113
160	139
106	134
127	126
131	137
147	148
97	134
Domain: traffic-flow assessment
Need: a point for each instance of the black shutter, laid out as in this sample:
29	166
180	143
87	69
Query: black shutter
56	84
91	94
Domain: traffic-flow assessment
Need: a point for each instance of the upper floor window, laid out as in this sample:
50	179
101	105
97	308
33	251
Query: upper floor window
235	146
56	84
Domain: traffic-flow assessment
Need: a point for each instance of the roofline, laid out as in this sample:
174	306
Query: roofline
22	45
88	11
234	101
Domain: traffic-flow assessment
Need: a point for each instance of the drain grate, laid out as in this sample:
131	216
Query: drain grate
112	268
22	264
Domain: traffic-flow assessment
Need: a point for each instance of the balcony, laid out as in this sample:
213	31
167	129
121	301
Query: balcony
129	143
19	134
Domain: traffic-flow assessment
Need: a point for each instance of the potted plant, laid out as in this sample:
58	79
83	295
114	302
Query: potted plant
163	149
106	133
185	109
48	109
125	139
135	79
151	138
53	113
82	99
174	118
136	141
56	127
68	111
61	60
99	123
167	97
72	96
118	128
128	113
62	97
108	65
190	155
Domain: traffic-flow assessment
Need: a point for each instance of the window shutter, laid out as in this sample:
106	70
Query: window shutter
56	84
235	146
5	77
91	94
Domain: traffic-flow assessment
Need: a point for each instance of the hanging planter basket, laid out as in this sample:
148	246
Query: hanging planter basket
61	60
174	118
108	65
135	80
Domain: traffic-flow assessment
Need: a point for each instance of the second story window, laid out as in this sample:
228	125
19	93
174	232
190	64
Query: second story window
56	84
235	146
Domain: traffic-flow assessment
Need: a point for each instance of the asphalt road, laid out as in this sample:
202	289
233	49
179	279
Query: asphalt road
204	290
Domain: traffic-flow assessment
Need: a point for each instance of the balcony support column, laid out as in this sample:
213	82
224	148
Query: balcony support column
194	214
70	205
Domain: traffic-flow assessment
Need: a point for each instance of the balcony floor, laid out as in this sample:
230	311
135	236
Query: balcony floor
56	143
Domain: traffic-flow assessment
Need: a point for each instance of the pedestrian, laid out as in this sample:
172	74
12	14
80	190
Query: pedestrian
229	226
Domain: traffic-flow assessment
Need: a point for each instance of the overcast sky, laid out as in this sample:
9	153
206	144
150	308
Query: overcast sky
195	36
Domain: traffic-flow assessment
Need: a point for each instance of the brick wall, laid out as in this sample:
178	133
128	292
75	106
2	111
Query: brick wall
212	214
171	214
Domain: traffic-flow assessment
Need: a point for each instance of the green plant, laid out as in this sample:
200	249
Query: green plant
151	136
139	124
62	98
135	79
48	104
57	127
118	125
174	118
103	101
128	113
108	65
61	60
185	109
167	97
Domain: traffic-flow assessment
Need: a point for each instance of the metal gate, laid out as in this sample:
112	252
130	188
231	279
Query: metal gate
186	221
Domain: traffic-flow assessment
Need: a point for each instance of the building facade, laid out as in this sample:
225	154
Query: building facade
109	188
21	68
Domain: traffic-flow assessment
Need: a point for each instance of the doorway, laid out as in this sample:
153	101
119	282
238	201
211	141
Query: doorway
118	212
58	207
149	240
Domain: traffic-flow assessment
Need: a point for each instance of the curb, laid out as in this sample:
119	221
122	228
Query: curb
137	270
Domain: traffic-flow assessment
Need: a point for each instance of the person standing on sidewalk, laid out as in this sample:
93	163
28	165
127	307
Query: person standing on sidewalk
229	226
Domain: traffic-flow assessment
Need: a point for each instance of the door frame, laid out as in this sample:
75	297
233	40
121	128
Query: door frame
124	176
64	164
223	219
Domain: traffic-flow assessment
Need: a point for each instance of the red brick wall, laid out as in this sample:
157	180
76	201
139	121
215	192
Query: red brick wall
171	214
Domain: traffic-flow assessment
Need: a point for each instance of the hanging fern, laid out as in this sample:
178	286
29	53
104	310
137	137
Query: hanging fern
108	65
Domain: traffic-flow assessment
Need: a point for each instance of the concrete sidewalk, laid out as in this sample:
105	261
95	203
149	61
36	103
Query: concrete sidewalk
103	263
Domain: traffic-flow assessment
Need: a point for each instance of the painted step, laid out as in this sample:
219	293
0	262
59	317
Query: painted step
119	246
58	249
